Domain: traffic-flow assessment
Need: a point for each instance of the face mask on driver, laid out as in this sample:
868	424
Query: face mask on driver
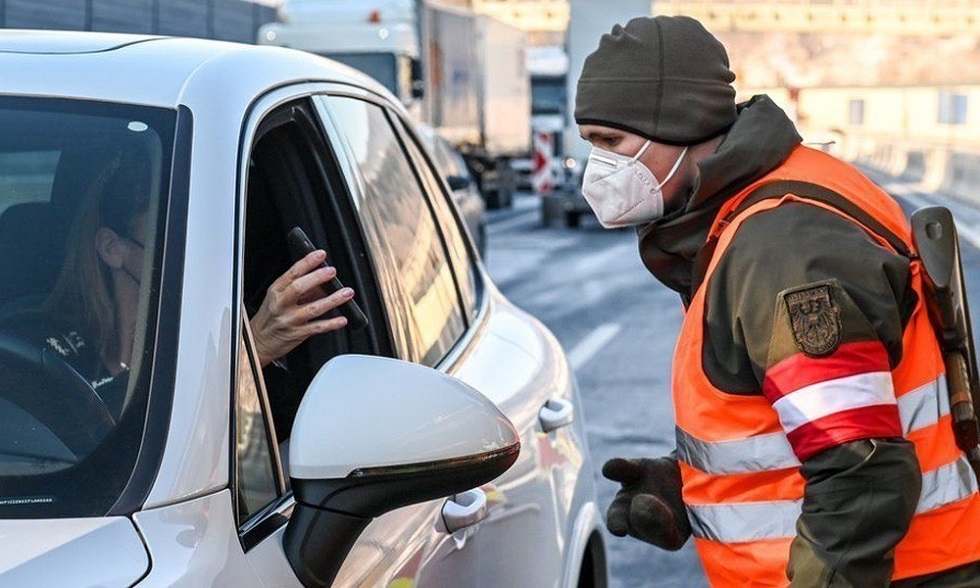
621	190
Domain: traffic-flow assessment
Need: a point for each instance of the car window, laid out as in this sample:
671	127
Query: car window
286	187
449	223
461	166
82	185
444	158
27	175
256	481
411	259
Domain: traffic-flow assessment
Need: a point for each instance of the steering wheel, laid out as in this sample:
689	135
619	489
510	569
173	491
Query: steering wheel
36	378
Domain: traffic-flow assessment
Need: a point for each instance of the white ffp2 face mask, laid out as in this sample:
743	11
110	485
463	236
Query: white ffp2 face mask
621	190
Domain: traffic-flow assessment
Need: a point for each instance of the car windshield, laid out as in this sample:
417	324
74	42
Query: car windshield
82	185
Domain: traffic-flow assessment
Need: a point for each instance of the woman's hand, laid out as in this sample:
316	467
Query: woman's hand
292	306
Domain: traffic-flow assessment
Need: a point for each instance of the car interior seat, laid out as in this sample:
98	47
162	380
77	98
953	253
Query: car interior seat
33	236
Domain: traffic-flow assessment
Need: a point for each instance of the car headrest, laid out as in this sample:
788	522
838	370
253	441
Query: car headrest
32	242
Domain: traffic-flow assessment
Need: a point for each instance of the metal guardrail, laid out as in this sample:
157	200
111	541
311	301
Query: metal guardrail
934	167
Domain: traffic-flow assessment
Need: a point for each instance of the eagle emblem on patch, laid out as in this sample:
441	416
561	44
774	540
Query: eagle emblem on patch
815	320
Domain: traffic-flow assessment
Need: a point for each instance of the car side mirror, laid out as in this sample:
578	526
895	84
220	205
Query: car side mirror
374	434
418	84
458	182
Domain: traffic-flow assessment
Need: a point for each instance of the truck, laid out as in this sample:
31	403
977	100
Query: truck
461	73
588	21
548	66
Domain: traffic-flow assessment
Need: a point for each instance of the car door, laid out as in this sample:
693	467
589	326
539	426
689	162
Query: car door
420	294
450	163
290	177
369	198
535	509
528	505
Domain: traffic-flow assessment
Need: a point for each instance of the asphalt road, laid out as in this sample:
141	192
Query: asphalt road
619	326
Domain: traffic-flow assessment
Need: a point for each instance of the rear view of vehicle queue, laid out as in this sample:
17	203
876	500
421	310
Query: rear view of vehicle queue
93	308
814	446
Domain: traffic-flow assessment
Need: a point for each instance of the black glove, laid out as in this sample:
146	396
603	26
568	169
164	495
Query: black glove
649	505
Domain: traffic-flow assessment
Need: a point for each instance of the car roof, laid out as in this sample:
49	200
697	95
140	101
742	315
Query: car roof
154	70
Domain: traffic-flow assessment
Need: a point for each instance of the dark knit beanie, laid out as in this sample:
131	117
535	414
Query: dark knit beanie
664	78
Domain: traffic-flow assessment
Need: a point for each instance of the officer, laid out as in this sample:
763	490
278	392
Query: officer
813	437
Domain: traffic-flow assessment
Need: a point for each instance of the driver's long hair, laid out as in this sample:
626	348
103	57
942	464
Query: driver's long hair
83	294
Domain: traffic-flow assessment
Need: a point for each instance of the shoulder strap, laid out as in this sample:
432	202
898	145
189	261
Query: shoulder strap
780	188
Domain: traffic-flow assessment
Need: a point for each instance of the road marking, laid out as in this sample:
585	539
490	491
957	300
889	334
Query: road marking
968	232
592	344
511	223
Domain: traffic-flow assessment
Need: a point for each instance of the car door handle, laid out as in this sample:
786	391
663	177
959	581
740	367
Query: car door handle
556	413
464	510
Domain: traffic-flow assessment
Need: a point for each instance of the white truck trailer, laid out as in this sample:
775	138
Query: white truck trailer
461	73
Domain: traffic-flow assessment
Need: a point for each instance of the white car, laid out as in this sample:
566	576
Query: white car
439	446
450	164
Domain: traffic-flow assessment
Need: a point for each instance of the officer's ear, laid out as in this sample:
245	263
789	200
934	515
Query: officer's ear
110	247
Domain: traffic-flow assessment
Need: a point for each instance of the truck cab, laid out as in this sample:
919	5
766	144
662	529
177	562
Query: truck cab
380	39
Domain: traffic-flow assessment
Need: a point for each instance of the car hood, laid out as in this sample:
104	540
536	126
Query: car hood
83	552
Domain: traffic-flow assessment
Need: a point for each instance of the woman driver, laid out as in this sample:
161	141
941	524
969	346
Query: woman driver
97	291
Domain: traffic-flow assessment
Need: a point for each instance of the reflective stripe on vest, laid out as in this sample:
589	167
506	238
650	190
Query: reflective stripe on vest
920	408
945	485
924	406
754	521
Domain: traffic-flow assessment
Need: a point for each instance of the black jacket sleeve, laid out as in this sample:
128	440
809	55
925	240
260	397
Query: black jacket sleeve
858	503
861	494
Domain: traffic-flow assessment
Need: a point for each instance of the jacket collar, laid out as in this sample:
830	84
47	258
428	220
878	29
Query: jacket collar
759	141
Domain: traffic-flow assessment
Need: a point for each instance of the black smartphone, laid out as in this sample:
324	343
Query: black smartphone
299	247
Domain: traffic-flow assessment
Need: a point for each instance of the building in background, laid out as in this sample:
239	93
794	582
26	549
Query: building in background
230	20
897	17
804	42
868	73
881	77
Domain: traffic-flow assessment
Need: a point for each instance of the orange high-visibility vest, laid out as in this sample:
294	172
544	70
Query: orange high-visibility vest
741	479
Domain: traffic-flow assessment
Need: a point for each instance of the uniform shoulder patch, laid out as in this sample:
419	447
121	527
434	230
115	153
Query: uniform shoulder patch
815	319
